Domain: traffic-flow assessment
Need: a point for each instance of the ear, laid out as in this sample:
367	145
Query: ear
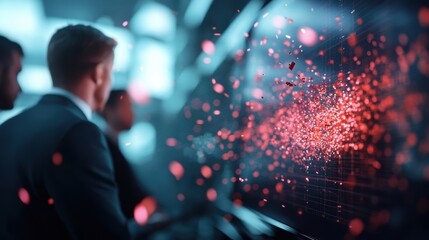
98	74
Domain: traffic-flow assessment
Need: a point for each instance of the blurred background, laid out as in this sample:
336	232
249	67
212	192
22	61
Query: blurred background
216	86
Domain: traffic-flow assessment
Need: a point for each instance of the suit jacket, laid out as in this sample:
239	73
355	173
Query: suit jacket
56	176
130	192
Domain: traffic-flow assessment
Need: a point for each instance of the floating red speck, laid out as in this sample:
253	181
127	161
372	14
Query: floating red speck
211	194
208	46
206	171
279	187
359	21
57	159
356	226
50	201
200	181
176	169
180	197
24	196
171	142
424	16
291	65
218	88
141	214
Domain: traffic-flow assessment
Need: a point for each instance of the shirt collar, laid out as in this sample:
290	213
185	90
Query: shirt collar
82	105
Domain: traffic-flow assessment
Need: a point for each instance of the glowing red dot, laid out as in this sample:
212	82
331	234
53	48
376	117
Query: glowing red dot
141	214
208	47
171	142
57	159
424	16
180	197
200	181
50	201
211	194
279	187
307	36
206	107
218	88
356	226
24	196
176	169
206	171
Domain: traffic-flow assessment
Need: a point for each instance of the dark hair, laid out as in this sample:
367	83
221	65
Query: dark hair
75	49
7	47
115	97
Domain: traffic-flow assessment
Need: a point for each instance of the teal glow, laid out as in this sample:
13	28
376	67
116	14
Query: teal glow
154	20
138	143
154	66
35	79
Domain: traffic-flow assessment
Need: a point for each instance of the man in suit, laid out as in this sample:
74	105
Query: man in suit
119	117
56	173
10	65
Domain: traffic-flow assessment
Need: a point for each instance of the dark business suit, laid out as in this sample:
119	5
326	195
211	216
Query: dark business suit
86	204
130	192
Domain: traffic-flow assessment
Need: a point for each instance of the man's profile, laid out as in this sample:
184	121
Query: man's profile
119	117
56	172
11	55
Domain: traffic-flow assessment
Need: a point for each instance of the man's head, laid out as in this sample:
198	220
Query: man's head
118	112
10	65
80	59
